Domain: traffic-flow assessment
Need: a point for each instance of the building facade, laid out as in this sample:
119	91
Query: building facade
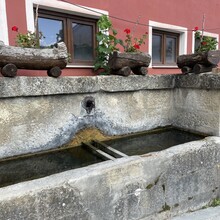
170	26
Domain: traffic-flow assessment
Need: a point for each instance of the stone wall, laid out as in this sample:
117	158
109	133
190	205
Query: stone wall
154	186
197	103
42	113
39	113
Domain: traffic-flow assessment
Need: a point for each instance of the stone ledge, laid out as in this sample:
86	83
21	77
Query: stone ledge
39	86
211	213
200	81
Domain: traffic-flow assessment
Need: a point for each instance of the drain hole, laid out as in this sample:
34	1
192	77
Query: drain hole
88	104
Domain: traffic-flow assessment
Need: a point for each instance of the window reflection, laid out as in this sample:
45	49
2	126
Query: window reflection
157	45
170	49
78	34
164	47
82	41
52	31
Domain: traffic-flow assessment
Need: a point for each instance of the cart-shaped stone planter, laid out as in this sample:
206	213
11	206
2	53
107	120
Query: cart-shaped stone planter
198	62
129	63
50	59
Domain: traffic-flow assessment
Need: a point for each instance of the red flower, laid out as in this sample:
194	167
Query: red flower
204	43
15	28
127	31
196	28
146	32
136	46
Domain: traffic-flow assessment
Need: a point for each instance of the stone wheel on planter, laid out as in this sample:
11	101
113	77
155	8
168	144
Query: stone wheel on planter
54	71
9	70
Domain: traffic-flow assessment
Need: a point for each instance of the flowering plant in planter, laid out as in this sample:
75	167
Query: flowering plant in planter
204	43
133	45
205	58
29	55
30	39
108	43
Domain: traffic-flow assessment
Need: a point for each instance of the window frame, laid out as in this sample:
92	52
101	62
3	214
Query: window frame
70	36
67	20
164	35
63	7
168	28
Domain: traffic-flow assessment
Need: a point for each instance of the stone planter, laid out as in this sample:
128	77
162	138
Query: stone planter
129	63
50	59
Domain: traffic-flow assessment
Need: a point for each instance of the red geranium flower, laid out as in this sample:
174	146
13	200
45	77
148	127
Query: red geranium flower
136	46
15	28
127	31
146	32
204	43
196	29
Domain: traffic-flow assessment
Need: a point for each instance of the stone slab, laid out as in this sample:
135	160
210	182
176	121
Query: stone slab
212	213
127	188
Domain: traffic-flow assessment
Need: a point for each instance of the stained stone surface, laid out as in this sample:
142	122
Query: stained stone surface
39	113
207	81
155	186
211	213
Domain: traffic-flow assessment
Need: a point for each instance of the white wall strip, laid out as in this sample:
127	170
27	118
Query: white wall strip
59	6
3	23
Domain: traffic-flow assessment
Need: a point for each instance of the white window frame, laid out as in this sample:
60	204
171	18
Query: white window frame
3	23
63	7
207	34
182	31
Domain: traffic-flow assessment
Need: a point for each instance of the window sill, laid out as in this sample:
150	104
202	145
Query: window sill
79	66
165	67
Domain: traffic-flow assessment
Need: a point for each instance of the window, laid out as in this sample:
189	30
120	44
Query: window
164	47
78	33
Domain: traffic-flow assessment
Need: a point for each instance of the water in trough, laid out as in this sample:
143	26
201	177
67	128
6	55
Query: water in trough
37	165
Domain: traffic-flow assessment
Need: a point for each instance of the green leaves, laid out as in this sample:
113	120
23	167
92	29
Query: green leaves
133	44
104	23
205	43
30	39
114	32
107	43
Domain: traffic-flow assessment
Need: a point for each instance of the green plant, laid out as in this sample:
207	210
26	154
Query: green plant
205	43
215	202
30	39
133	45
107	43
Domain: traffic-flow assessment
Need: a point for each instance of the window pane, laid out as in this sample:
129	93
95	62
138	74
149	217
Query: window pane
52	31
170	49
197	44
82	41
157	46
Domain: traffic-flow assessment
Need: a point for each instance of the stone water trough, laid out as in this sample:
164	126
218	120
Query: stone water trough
41	114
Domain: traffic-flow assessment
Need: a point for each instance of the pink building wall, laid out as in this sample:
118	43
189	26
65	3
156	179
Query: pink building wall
186	14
